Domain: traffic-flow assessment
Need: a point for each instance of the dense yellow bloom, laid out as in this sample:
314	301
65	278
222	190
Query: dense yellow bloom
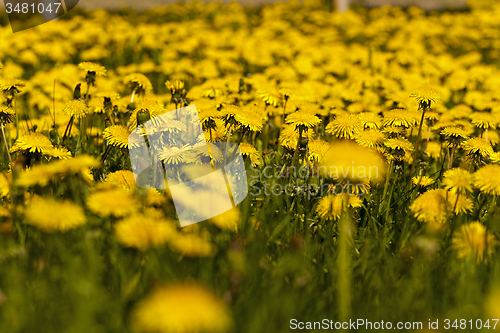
460	203
457	180
32	142
330	207
317	150
181	308
344	126
116	202
473	241
11	85
432	207
487	179
249	150
143	231
50	215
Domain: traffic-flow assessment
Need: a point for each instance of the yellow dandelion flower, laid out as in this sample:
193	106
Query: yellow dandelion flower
7	114
11	85
473	241
122	178
317	150
143	231
139	82
181	308
344	126
112	202
455	132
58	152
486	179
350	161
425	96
457	180
150	110
400	146
192	245
288	137
118	136
432	207
460	203
399	117
433	149
478	147
422	181
370	120
270	96
484	120
370	138
93	68
76	108
249	121
248	150
330	207
301	119
495	157
112	95
175	87
50	215
229	220
32	142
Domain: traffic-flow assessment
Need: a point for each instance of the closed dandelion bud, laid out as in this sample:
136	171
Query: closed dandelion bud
143	116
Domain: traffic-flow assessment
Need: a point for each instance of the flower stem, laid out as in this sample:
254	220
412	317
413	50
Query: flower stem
6	144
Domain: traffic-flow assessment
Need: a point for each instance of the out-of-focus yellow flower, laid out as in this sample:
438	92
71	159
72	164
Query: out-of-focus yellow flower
229	220
4	185
50	215
181	308
122	178
144	230
192	245
350	161
473	241
460	203
487	179
175	86
330	207
457	180
112	202
7	114
432	207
